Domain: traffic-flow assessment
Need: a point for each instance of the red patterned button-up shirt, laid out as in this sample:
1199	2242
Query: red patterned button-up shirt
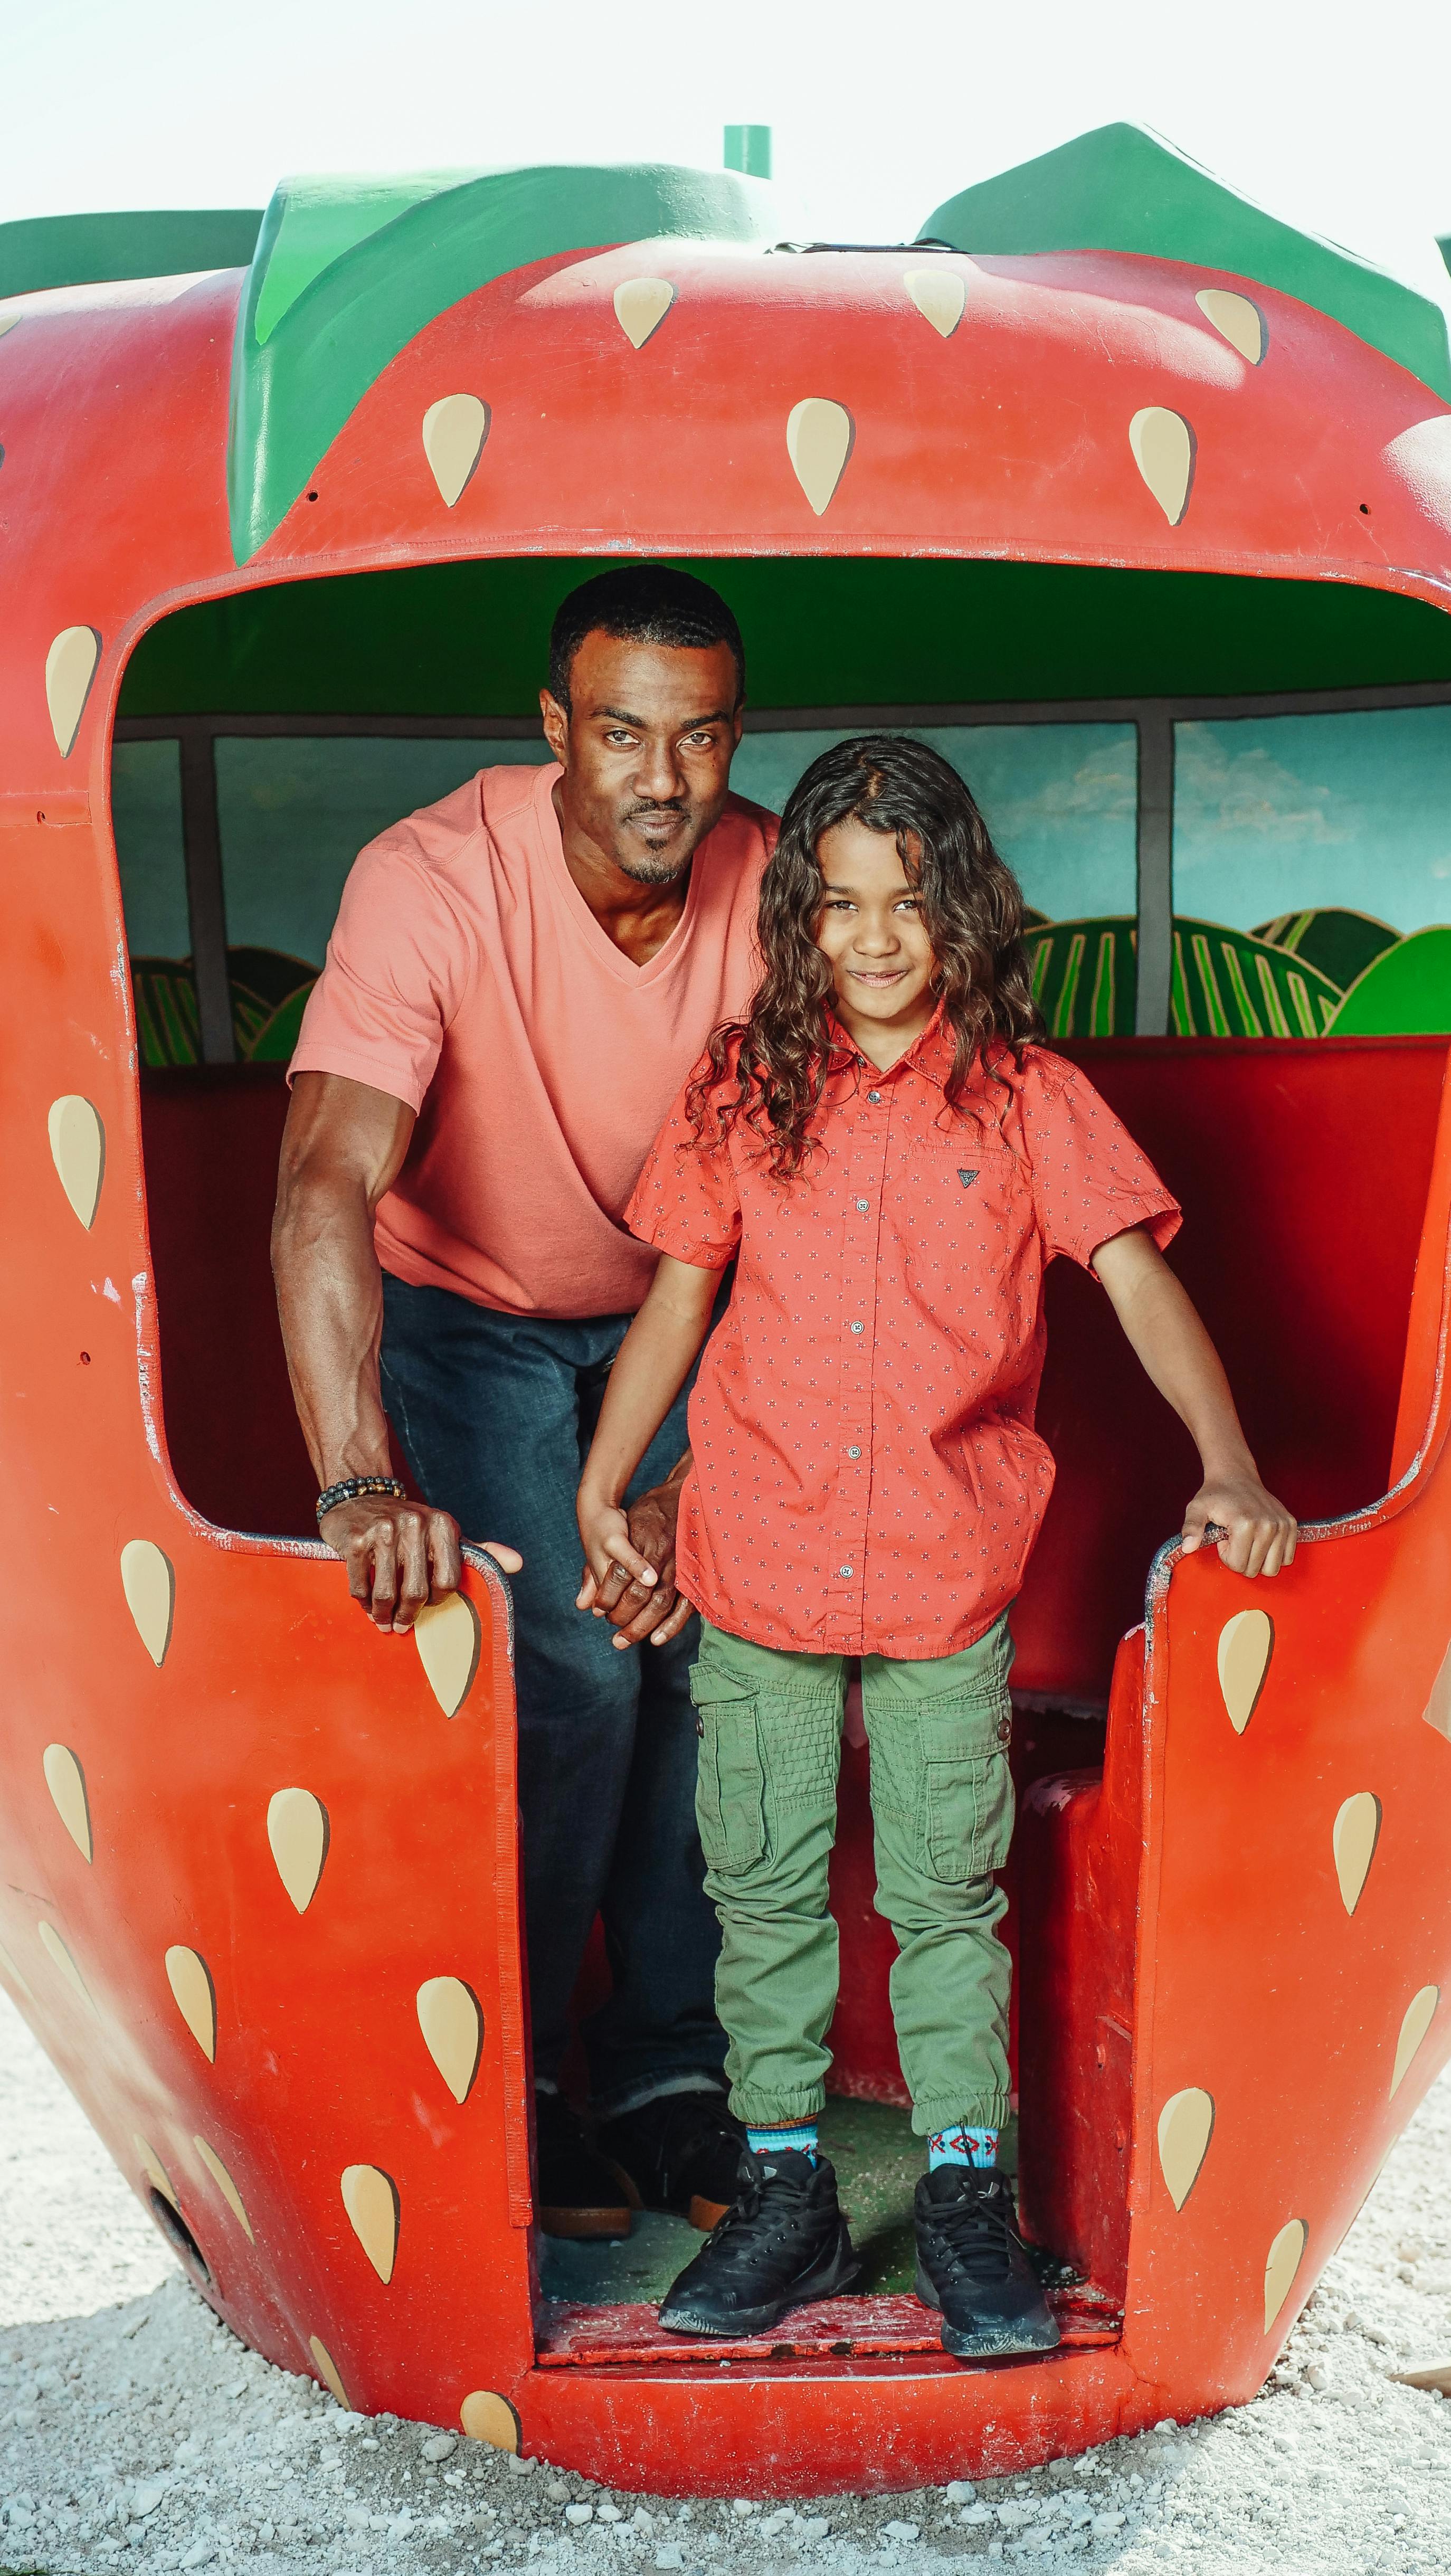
867	1476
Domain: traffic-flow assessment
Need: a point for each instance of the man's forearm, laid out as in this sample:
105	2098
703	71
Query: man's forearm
330	1302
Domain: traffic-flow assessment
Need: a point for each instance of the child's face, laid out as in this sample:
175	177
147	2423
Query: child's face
872	932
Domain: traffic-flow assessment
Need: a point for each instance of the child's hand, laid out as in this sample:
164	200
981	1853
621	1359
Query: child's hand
1255	1534
605	1530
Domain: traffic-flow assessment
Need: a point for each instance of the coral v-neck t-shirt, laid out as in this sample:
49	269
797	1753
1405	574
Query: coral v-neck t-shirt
467	976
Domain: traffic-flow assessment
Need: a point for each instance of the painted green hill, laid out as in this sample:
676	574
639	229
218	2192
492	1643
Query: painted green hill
265	985
1226	983
1341	943
1405	991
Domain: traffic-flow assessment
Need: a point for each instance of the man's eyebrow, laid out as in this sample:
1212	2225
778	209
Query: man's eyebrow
637	724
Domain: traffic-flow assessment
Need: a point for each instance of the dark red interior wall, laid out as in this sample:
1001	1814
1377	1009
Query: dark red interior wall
211	1140
1302	1167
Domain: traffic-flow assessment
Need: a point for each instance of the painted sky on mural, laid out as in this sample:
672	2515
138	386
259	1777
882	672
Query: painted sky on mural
1271	815
1335	120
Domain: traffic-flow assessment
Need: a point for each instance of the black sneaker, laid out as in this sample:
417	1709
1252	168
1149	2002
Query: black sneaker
973	2265
683	2151
783	2241
578	2193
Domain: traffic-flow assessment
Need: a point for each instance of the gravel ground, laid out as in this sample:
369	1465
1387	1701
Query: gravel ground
135	2430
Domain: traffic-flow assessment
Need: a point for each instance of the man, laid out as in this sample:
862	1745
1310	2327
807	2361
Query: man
519	979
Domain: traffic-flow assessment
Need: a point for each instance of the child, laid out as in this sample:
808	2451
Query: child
893	1157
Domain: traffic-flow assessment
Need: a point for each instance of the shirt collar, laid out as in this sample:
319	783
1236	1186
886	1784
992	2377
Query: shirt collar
930	1054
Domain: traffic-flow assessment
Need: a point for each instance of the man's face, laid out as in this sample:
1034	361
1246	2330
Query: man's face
646	750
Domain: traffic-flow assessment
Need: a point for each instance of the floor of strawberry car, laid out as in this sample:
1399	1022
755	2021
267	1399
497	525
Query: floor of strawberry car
600	2301
877	2160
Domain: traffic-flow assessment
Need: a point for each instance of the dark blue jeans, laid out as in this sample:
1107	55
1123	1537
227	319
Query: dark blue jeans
495	1414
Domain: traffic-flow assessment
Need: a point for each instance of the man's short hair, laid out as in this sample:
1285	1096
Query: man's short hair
642	604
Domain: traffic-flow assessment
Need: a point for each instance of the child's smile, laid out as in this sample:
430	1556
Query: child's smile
871	930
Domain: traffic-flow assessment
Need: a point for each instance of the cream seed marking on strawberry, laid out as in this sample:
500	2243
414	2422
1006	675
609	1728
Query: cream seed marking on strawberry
328	2371
148	1579
1163	450
154	2170
1437	1711
641	305
298	1832
370	2198
454	431
225	2186
66	1782
1237	320
1282	2263
1353	1839
190	1980
1246	1643
447	1635
486	2417
819	437
78	1151
60	1957
940	296
1419	2015
453	2031
1186	2124
70	667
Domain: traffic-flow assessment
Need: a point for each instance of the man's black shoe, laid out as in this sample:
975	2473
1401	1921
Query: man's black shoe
783	2241
578	2193
683	2151
973	2265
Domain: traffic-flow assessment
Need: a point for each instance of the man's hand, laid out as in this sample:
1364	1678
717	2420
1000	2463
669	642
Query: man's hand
629	1575
400	1556
1255	1534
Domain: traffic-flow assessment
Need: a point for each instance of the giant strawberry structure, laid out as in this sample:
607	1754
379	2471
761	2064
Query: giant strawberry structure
259	1892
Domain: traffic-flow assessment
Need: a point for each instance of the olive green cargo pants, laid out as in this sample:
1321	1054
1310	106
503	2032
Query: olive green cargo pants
942	1813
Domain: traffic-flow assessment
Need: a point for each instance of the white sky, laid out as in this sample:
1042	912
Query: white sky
1338	118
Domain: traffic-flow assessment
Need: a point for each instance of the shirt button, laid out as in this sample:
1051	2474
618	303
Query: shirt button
863	1205
874	1095
853	1453
858	1328
843	1569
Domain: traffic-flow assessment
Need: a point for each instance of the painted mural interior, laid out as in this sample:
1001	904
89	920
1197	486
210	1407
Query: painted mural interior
1310	864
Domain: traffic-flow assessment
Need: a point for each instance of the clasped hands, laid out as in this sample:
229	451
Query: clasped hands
629	1572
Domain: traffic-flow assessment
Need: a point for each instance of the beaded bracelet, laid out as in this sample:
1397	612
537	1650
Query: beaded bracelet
350	1489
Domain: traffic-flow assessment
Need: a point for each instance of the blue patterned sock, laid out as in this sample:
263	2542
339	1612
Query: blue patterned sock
962	2146
800	2134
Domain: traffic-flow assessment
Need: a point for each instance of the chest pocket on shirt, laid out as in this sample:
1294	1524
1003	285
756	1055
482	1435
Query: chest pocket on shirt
958	1195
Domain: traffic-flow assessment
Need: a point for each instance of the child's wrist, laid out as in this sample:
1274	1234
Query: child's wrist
1222	1467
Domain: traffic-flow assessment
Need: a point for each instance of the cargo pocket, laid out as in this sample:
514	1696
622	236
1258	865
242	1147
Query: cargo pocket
730	1784
968	1788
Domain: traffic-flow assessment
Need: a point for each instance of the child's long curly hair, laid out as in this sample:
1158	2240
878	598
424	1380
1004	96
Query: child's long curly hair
971	906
